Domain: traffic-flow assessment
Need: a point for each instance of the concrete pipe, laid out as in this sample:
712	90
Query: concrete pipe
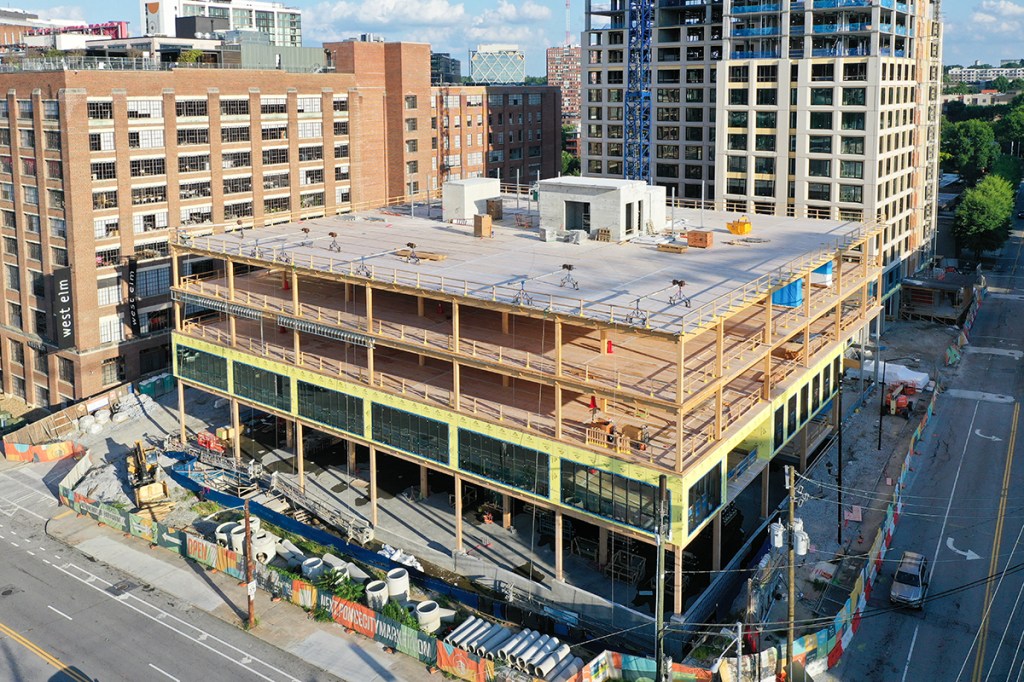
398	584
514	641
510	655
492	645
465	627
471	642
221	534
312	568
290	546
562	666
492	641
569	671
377	595
542	653
527	653
236	538
428	614
334	562
548	663
477	626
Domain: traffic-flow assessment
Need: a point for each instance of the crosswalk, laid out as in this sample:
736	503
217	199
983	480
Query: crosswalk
24	489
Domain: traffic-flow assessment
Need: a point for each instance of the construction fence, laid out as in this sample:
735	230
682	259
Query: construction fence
956	349
822	650
429	650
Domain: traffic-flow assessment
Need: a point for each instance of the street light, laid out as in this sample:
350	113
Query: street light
798	541
739	654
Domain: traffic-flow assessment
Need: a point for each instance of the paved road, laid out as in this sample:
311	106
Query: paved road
63	617
967	498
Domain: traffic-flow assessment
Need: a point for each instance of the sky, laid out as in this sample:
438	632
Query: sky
986	30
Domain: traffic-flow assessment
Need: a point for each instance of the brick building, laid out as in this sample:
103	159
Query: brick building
135	153
563	70
505	132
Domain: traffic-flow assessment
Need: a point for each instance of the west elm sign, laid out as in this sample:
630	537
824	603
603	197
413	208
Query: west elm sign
133	301
63	309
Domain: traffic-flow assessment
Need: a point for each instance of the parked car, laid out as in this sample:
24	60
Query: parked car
1021	214
910	583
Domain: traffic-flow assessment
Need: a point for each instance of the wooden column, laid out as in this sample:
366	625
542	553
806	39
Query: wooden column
458	513
602	546
455	326
559	549
558	412
369	366
349	292
373	486
296	307
677	582
719	412
424	485
236	429
175	282
680	441
720	348
351	463
558	348
181	413
603	342
300	455
506	512
229	269
369	308
504	322
764	491
716	542
456	386
806	351
768	317
295	348
680	369
767	386
289	434
420	306
232	328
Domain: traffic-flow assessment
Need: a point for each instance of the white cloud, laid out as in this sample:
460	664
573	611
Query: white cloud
995	17
65	13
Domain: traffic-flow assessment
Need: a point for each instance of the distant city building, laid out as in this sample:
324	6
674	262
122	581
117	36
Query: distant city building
282	24
496	131
15	25
444	69
497	65
564	73
973	74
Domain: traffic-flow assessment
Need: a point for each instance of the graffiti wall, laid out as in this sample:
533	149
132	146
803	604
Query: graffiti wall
48	452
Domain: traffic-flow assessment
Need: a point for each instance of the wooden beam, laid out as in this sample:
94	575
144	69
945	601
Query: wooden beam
719	412
506	511
720	349
229	267
603	341
300	455
369	308
296	306
458	513
373	485
504	322
558	412
768	311
351	463
456	386
455	326
559	549
680	441
424	483
680	370
419	306
558	347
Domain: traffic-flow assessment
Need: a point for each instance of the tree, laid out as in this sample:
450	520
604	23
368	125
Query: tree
971	146
1002	84
1011	128
189	56
536	80
982	221
1008	168
570	164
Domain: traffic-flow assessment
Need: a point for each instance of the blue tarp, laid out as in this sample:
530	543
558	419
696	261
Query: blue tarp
790	295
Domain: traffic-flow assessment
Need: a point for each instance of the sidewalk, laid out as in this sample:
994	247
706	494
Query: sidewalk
286	626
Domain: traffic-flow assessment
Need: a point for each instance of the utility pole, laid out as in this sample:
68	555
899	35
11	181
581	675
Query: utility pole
250	582
659	599
791	484
839	461
881	402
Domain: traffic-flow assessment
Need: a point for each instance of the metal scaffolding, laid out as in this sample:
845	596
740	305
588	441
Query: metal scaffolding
638	91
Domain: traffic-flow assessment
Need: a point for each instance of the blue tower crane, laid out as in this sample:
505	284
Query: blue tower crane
638	91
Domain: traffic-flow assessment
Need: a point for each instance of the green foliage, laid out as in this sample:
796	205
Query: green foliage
1011	127
971	146
288	573
982	221
189	56
322	615
570	164
535	80
1008	168
399	613
205	508
1002	84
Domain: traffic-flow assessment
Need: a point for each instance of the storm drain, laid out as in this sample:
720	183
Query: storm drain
117	589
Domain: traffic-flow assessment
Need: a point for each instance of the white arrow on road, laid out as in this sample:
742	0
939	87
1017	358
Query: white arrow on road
971	556
979	434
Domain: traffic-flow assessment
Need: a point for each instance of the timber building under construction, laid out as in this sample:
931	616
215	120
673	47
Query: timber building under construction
565	376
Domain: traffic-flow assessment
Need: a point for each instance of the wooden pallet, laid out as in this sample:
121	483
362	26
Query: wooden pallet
423	255
603	235
673	248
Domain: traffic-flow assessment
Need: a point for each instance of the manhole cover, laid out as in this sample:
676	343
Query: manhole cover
117	589
8	590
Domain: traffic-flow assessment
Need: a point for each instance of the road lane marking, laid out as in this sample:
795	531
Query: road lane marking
910	653
64	514
41	653
30	552
15	544
164	672
1004	494
59	613
163	617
